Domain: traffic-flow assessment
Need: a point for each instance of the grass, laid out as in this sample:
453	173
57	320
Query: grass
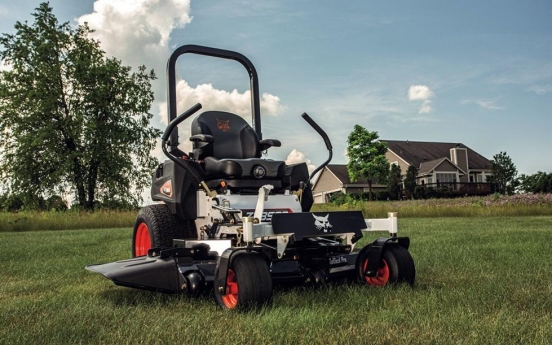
35	221
489	206
480	280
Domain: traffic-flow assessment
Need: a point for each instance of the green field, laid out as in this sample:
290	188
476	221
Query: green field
479	281
38	221
475	206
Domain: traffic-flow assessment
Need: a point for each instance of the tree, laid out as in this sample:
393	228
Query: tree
366	157
410	181
394	183
540	182
504	173
72	120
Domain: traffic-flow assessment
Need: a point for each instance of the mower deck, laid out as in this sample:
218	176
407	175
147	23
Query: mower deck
166	270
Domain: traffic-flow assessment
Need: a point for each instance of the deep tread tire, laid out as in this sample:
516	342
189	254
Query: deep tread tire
397	266
249	284
162	227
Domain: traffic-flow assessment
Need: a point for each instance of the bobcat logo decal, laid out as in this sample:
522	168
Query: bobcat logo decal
223	125
322	223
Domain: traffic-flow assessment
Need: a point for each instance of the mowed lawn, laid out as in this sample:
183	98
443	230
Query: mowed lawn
479	281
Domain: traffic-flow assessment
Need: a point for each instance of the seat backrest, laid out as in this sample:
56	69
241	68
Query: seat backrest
234	137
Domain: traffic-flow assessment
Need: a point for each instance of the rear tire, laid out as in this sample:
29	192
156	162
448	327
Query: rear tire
248	283
397	266
156	227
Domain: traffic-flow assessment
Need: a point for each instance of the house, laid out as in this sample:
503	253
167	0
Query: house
451	165
334	178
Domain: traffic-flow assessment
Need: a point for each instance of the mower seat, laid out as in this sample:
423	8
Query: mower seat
230	150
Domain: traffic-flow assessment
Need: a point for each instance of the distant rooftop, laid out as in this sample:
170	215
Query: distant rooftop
418	153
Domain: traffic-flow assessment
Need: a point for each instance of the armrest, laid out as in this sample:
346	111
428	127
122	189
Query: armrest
265	144
205	138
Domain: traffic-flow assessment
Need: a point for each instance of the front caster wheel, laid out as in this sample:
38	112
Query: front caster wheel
194	283
396	266
248	283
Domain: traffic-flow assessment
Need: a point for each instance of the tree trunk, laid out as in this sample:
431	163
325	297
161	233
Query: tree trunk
92	178
81	194
369	190
79	183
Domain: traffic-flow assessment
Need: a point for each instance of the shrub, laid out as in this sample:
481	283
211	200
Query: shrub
383	195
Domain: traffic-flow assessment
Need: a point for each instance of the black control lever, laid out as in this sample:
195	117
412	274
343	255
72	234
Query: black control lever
177	121
327	141
171	156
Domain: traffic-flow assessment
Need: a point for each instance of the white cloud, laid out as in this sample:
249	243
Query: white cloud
295	157
270	104
421	93
426	107
220	100
137	31
541	89
485	104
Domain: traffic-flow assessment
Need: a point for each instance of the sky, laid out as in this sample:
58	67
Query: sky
471	72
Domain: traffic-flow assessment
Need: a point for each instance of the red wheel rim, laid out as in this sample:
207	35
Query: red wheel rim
230	300
382	275
142	242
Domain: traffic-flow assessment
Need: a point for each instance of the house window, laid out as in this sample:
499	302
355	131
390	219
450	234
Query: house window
429	180
446	178
480	178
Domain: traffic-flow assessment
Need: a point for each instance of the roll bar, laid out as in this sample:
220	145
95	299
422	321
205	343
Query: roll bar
218	53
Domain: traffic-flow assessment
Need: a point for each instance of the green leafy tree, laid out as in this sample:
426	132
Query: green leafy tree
394	183
540	182
410	181
504	173
71	119
11	202
366	157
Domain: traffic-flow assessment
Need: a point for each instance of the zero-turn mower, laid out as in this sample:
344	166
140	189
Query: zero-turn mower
231	221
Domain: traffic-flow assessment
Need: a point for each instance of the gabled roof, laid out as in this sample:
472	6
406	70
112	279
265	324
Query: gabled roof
416	153
341	173
427	167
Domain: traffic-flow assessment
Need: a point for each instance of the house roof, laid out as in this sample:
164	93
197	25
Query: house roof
427	167
340	171
417	153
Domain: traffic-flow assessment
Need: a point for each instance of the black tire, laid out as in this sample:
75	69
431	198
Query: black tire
249	284
397	266
160	226
194	283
